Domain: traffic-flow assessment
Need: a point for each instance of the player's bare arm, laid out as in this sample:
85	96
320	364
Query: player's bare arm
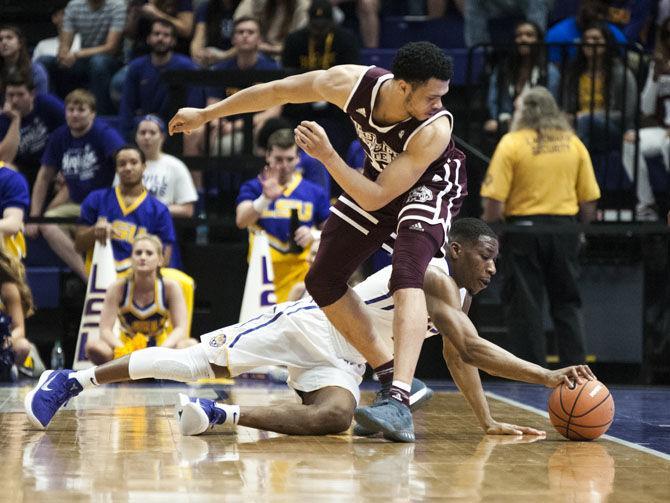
332	85
469	383
444	308
396	179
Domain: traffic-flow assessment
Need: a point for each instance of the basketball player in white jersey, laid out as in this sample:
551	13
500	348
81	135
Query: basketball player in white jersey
324	369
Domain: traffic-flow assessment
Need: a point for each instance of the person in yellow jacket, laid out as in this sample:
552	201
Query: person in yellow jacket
541	174
150	308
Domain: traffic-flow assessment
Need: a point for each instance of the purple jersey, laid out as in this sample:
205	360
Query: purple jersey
382	144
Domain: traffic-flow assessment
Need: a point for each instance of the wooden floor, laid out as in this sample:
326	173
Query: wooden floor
121	443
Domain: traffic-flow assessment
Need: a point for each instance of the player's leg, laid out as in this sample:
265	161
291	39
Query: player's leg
322	412
412	252
422	226
56	387
348	238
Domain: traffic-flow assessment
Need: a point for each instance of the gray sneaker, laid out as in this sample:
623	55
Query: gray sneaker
390	416
419	395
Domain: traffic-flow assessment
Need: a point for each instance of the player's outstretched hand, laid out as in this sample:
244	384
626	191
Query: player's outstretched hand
569	375
497	428
313	139
186	120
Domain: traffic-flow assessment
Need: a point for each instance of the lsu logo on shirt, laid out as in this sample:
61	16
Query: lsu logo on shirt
283	209
126	231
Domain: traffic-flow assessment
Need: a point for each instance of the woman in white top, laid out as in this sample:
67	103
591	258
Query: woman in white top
166	177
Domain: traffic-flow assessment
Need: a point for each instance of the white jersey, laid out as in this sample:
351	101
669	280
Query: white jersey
299	336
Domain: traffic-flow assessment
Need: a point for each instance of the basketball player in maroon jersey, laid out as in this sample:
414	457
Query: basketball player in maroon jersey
411	189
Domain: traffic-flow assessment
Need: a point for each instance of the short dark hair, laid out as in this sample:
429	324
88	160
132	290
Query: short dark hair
16	79
418	62
271	125
165	23
470	230
244	19
128	146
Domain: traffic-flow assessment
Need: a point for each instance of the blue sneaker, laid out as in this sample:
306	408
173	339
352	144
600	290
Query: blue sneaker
53	390
419	396
196	415
390	416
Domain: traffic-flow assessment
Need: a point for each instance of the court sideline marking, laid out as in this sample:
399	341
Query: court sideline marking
542	413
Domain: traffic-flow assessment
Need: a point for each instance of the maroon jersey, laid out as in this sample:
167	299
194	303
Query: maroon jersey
382	144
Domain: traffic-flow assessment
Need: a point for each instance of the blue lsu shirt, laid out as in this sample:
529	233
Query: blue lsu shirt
13	194
86	162
48	114
308	198
145	215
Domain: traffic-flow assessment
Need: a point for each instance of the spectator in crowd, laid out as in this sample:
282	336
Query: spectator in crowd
478	13
82	151
321	44
630	16
525	65
267	203
143	90
653	140
599	91
16	301
14	58
14	202
99	23
26	121
563	35
49	46
541	174
277	19
367	12
143	13
161	321
166	177
213	37
226	135
124	212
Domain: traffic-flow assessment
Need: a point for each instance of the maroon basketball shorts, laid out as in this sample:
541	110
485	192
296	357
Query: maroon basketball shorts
413	227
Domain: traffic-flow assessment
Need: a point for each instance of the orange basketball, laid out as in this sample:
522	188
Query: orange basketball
583	412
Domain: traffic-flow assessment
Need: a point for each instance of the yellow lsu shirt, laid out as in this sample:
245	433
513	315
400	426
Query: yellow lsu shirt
548	177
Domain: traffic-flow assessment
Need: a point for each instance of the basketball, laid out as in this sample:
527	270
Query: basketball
583	412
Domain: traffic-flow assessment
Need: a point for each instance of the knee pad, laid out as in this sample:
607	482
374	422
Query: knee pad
184	365
412	253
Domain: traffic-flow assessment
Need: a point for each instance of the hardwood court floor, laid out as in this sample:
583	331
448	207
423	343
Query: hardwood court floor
121	443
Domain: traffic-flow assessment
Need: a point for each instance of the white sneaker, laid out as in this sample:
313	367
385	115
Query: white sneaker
197	415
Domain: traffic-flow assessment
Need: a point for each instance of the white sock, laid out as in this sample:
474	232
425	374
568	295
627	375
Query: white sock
402	385
232	412
86	377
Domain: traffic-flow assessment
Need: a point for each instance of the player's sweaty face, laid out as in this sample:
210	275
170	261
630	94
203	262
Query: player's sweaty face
425	99
282	161
479	262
